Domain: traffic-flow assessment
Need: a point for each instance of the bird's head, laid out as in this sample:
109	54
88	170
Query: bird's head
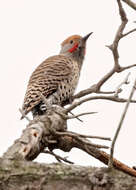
74	46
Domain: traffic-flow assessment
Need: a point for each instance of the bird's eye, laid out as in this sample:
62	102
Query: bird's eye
71	41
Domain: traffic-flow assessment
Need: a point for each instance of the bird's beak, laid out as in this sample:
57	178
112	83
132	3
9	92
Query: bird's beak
86	37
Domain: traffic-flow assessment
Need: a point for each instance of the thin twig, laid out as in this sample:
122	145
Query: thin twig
24	115
110	98
77	117
110	164
81	114
131	31
105	92
118	89
95	88
105	78
84	136
127	67
58	158
130	3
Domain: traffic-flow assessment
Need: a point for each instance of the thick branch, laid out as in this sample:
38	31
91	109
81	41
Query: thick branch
45	132
33	176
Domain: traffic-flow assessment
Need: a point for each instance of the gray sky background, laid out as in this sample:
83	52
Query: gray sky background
31	31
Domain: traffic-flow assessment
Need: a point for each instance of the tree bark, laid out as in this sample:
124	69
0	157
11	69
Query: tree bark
27	175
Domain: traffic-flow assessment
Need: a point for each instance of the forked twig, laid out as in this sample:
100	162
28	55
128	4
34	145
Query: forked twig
58	158
24	115
77	117
81	114
118	89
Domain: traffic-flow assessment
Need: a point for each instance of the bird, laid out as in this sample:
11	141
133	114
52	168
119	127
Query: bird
56	78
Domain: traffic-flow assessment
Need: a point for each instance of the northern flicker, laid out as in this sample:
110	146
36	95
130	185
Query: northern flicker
57	77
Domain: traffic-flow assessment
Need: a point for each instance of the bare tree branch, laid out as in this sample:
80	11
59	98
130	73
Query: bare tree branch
110	98
82	139
127	33
23	115
81	114
58	158
110	164
84	136
130	3
45	132
114	48
118	89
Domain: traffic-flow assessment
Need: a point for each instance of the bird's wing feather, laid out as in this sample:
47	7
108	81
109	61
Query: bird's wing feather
45	80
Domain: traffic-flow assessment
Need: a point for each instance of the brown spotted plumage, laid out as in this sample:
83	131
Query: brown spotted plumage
57	77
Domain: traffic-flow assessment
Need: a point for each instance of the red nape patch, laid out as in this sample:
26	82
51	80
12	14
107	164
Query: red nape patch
73	48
